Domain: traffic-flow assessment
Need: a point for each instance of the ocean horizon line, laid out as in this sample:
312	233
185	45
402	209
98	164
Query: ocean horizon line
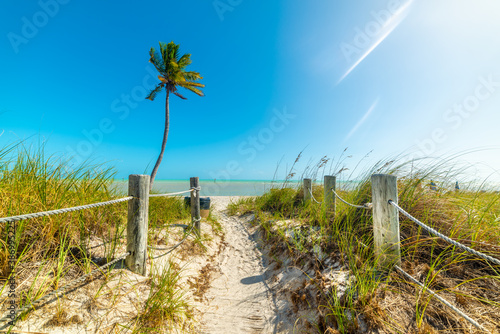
239	180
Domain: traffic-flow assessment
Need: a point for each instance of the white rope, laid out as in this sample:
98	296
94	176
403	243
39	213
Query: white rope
367	206
171	249
84	277
442	236
312	196
58	291
172	194
442	300
59	211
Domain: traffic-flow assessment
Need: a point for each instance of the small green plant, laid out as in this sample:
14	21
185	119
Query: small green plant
241	206
166	307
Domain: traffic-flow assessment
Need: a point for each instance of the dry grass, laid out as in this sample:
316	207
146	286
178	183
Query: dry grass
201	283
390	304
54	250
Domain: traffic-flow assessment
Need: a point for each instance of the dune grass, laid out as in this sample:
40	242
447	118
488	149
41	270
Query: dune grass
388	303
52	251
166	306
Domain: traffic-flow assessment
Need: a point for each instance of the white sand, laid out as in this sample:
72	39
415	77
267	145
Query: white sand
244	293
239	300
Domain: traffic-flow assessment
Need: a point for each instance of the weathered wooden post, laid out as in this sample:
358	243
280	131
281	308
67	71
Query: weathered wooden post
329	184
307	185
386	220
195	204
137	226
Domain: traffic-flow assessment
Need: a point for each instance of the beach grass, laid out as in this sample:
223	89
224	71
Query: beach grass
52	251
386	302
166	306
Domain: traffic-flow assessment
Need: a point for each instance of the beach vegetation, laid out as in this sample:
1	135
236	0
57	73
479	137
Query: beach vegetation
52	251
171	67
304	235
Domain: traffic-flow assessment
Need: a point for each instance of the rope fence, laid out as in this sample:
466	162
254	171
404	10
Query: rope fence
59	211
312	196
442	236
384	190
442	300
386	229
65	287
386	232
171	249
175	194
136	241
329	184
366	206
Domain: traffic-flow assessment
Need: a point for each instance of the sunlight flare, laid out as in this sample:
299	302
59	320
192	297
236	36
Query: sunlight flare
387	29
362	120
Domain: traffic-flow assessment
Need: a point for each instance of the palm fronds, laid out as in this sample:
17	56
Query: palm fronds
171	67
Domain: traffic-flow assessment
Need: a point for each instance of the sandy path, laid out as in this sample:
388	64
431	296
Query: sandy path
239	299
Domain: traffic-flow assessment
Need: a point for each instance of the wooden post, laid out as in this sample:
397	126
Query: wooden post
386	220
330	198
307	185
137	226
195	205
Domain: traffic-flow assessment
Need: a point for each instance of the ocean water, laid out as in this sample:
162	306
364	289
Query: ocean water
208	187
221	188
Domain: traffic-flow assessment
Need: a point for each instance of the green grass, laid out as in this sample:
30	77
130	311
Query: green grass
52	251
166	306
391	304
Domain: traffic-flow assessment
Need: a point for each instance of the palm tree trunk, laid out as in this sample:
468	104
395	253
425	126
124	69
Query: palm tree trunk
163	144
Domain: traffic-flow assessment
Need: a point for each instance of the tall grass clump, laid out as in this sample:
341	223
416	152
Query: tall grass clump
53	250
381	301
166	308
32	182
162	212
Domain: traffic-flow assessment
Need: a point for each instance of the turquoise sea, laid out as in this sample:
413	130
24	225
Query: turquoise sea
208	187
211	187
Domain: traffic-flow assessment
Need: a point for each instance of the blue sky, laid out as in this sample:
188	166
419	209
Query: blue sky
420	77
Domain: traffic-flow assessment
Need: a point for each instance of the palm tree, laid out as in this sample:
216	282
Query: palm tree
172	71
